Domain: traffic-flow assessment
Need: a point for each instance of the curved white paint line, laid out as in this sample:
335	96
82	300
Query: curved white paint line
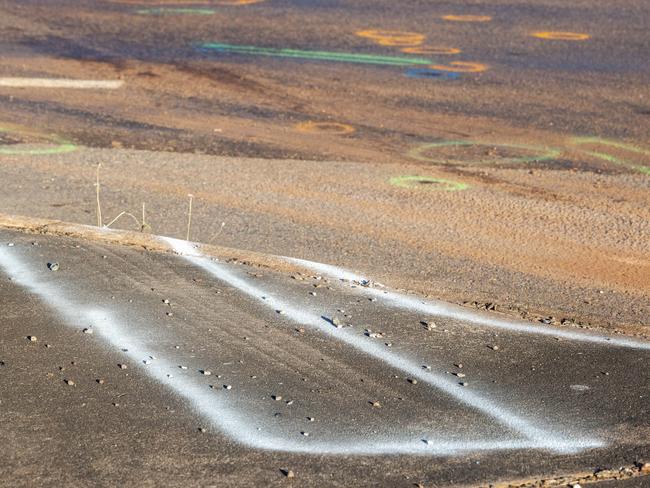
538	437
214	405
443	309
61	83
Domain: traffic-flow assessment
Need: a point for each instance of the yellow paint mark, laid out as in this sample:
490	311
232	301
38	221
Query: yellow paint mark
334	128
561	36
460	67
467	18
392	38
430	50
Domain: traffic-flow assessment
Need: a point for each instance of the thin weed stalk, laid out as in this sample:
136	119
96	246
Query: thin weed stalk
189	218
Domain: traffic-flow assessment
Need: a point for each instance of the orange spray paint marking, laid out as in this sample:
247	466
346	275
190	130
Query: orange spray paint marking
430	50
334	128
460	67
467	18
561	36
392	38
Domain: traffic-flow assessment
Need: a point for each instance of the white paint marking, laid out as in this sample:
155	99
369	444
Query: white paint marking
442	309
217	409
61	83
538	437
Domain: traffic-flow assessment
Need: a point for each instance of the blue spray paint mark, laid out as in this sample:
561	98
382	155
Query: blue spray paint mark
431	73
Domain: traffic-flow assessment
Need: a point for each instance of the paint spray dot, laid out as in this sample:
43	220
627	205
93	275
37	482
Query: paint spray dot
474	152
428	182
461	67
334	128
392	37
435	50
35	143
561	36
467	18
431	74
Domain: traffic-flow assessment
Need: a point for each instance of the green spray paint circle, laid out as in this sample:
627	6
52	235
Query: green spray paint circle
61	147
542	153
578	141
431	183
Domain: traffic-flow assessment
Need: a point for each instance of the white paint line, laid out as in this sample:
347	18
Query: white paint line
217	408
539	437
61	83
442	309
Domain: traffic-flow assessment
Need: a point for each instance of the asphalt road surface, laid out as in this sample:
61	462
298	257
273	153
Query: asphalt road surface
491	154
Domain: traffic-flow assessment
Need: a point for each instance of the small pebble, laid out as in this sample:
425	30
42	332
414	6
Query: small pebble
463	383
287	472
311	419
11	244
32	338
494	348
146	361
87	330
122	366
227	387
277	398
183	367
53	266
69	382
201	429
100	381
413	381
166	301
205	372
306	434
